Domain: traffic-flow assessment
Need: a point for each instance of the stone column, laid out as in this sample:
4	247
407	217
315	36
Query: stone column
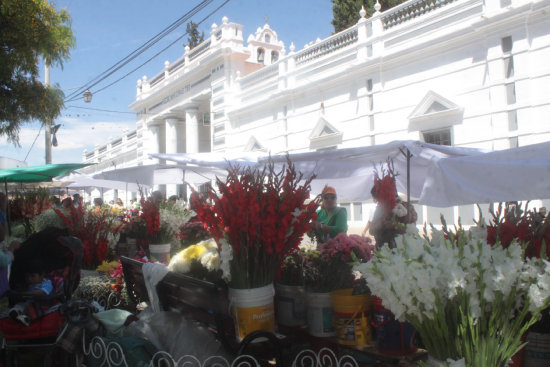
154	141
192	129
171	148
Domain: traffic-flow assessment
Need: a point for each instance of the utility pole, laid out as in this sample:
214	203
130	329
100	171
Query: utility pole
48	122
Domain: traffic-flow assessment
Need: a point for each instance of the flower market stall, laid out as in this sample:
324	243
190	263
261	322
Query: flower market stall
505	175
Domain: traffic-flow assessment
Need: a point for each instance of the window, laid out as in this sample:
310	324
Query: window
511	93
274	57
512	120
439	137
507	44
267	39
513	142
260	55
370	99
357	212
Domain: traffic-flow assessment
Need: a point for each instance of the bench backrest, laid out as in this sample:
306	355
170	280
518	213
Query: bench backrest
204	301
133	277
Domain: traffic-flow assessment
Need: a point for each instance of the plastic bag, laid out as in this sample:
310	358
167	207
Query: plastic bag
176	334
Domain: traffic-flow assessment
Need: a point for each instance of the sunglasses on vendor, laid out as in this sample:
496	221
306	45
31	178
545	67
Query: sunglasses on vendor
329	197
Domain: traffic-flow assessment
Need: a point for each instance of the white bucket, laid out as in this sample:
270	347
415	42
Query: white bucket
319	314
537	350
160	253
252	309
291	304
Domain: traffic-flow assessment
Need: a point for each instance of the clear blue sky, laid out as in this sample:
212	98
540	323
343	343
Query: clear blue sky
106	31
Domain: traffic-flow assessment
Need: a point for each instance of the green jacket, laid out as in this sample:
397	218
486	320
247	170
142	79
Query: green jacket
337	225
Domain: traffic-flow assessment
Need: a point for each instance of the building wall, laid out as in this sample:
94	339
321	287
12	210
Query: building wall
378	81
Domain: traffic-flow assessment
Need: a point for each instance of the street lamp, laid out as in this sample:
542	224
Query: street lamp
87	96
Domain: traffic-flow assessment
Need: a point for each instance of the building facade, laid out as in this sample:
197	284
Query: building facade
473	73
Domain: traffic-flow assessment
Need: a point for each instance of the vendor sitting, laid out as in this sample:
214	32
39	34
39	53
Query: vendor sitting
331	219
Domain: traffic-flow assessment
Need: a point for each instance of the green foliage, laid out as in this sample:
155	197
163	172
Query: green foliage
30	30
346	12
194	37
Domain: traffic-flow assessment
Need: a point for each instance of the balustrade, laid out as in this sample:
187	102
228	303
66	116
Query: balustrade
411	10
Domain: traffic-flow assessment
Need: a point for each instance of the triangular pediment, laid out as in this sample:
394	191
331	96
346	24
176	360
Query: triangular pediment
435	111
324	135
254	145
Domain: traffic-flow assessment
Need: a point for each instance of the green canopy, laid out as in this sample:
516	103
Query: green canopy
43	173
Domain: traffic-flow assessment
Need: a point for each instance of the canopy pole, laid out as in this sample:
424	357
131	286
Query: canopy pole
7	206
408	155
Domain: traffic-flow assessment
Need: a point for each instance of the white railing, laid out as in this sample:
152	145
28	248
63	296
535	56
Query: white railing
411	10
331	44
111	354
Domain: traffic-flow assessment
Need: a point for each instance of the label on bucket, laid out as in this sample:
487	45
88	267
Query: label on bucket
352	330
250	319
291	311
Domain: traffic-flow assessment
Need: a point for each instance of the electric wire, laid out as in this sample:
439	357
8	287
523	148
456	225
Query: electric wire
151	42
161	51
37	135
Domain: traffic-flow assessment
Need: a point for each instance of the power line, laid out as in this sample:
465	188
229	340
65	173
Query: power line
151	42
102	110
37	135
161	51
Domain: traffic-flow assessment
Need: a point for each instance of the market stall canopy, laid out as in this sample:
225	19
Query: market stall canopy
506	175
43	173
146	175
79	181
349	170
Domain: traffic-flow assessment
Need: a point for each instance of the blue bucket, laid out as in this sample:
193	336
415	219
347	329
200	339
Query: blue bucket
394	337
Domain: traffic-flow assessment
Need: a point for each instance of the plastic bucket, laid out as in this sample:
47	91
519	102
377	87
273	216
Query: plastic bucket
537	350
160	253
319	314
252	309
351	317
394	337
291	304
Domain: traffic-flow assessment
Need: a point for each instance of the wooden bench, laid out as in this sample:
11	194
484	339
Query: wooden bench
206	303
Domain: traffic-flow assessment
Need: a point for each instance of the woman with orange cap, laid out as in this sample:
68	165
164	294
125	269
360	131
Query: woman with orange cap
331	219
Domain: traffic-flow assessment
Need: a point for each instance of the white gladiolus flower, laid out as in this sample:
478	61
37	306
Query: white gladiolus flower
226	255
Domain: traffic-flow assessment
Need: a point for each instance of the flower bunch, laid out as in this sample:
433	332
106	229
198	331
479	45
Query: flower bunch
163	218
97	229
262	215
25	206
466	299
133	226
331	267
527	226
293	268
192	232
201	260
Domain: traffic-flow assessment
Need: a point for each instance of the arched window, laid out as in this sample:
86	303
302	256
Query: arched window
261	55
274	56
267	38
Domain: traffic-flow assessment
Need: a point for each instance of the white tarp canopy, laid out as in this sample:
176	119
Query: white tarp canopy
349	170
506	175
146	175
79	181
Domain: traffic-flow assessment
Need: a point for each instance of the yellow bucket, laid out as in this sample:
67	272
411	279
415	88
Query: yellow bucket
252	309
351	317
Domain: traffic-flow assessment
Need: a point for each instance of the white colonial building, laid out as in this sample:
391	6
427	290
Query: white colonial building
472	73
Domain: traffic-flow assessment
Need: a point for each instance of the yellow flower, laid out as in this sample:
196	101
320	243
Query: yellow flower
193	252
106	266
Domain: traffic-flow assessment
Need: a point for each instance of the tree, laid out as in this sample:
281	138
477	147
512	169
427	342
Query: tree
30	30
346	12
194	37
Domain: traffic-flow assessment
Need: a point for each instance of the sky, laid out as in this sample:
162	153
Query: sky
106	31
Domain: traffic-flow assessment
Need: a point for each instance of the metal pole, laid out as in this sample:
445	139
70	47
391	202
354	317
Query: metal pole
48	122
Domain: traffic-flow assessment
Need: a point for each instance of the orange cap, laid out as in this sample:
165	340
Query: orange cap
329	190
